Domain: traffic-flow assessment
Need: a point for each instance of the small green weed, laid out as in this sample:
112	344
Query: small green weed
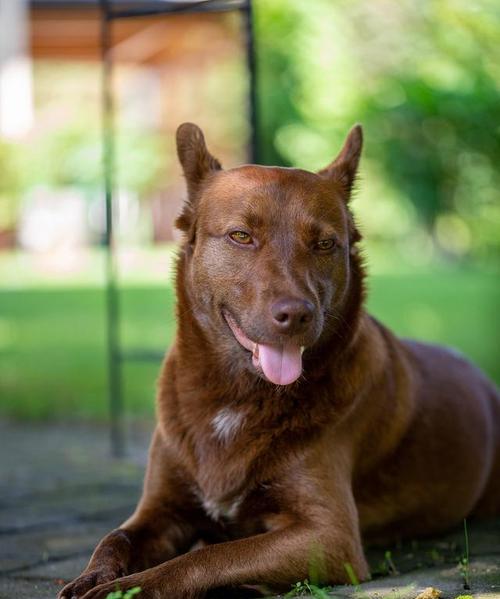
299	589
436	557
463	564
352	575
124	595
391	566
464	597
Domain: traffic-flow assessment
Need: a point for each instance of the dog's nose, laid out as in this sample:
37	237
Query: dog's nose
292	315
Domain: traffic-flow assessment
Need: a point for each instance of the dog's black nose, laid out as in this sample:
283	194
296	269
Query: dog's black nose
292	315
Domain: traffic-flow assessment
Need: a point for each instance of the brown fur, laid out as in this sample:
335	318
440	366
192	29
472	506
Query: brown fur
379	438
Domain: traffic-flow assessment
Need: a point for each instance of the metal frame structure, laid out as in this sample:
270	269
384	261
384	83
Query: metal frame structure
110	11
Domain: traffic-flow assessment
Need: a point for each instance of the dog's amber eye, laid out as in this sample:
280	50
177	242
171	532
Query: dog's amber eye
241	237
325	244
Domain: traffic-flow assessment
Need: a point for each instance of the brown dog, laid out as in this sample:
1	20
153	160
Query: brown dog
291	423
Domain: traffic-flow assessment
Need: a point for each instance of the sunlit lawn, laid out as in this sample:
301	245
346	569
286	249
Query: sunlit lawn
52	341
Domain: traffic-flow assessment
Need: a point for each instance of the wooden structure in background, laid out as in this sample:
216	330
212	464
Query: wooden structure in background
131	32
72	31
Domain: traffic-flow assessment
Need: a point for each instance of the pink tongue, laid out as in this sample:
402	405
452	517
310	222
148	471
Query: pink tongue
281	364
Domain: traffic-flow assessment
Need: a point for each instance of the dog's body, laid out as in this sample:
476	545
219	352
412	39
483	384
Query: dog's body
280	462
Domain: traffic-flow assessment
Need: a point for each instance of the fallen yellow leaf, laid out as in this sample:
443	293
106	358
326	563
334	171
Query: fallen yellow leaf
429	593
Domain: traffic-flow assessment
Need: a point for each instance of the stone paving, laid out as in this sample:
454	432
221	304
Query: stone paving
60	492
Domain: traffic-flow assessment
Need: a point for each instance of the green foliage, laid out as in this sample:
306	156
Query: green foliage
351	574
12	182
391	566
71	156
276	27
423	78
299	589
69	152
124	595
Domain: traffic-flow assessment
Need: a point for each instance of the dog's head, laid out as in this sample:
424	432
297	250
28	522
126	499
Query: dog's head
268	254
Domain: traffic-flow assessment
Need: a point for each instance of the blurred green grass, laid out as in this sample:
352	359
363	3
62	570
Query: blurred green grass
52	341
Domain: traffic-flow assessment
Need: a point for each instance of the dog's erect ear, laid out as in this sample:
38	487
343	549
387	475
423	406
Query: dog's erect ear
343	169
197	163
196	160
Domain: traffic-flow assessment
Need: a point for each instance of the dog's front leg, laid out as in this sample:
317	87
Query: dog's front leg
130	548
162	527
274	559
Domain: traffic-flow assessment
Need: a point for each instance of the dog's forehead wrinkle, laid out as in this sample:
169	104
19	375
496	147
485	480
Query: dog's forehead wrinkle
273	182
282	174
256	196
240	183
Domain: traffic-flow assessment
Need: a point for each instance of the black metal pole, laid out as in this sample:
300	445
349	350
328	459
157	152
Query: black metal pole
108	145
112	299
252	72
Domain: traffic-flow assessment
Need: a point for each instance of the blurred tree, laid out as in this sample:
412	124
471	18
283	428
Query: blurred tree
277	25
71	156
423	78
12	183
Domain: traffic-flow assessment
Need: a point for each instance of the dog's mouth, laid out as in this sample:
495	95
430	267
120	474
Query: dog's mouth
281	364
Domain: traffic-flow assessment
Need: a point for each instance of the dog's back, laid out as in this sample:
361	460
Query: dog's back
462	401
447	462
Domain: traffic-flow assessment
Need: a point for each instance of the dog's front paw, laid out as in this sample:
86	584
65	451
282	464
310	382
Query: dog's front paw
135	581
152	585
86	581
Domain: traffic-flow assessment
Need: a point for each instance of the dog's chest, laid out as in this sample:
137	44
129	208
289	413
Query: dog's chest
240	516
224	459
232	463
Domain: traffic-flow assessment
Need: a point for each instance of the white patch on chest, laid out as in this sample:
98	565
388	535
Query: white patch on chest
226	424
217	510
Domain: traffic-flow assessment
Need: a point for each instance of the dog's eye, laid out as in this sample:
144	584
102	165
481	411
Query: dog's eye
241	237
324	245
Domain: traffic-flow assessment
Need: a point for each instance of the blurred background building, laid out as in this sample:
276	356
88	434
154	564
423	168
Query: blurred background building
423	79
